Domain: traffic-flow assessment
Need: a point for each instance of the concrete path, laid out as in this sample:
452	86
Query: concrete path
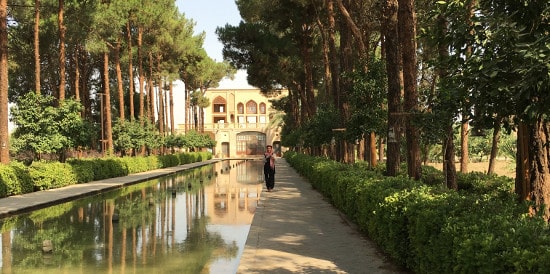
295	230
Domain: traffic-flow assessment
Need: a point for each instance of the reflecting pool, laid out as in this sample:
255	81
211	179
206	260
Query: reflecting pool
196	221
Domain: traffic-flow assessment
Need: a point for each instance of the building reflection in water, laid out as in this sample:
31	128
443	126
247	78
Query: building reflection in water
235	194
182	223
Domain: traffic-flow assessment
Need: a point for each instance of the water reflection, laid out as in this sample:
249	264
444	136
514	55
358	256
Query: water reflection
192	222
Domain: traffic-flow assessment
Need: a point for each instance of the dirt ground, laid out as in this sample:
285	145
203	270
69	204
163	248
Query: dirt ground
502	167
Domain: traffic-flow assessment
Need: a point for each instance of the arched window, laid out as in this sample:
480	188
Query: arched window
240	108
251	107
219	104
262	108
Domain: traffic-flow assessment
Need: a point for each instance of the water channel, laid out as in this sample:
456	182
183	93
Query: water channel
195	221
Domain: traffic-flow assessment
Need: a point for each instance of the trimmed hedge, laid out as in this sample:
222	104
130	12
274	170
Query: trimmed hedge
429	229
17	178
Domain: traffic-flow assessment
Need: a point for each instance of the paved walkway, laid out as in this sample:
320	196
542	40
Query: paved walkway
295	230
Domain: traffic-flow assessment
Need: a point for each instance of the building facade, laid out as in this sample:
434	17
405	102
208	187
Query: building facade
240	120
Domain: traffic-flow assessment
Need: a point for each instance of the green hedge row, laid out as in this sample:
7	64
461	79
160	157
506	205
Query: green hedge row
429	229
17	178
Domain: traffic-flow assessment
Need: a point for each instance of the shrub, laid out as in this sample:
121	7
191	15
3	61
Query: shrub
430	229
83	169
8	181
48	175
23	177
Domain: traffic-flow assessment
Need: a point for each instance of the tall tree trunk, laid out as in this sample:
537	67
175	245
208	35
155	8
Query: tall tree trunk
539	167
151	94
160	98
107	105
77	76
307	50
358	34
188	110
4	136
464	138
120	89
37	46
172	125
464	129
532	165
83	82
494	149
394	88
522	186
380	149
407	37
326	96
62	31
130	70
372	150
161	107
151	101
347	59
141	77
333	57
449	166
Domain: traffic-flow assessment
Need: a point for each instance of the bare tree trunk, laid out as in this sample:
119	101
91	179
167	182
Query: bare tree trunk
77	76
394	88
539	167
119	80
449	166
141	77
160	100
464	155
37	46
347	65
4	137
62	30
532	168
187	110
449	156
107	105
334	63
372	149
172	125
522	186
307	49
326	96
151	94
494	149
381	149
464	130
407	36
130	70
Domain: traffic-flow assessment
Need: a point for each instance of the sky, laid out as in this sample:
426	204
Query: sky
208	15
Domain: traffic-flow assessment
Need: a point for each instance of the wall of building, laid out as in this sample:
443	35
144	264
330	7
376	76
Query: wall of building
239	121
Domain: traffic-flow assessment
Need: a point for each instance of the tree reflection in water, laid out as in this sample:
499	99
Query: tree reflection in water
160	225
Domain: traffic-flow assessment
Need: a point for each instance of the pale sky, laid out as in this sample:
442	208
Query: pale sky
208	15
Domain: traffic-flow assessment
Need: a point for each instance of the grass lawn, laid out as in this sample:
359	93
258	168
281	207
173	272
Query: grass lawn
502	167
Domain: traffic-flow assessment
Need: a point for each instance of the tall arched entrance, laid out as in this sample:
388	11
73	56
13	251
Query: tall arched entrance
250	143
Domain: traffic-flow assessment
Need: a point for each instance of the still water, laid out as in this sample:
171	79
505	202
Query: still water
196	221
